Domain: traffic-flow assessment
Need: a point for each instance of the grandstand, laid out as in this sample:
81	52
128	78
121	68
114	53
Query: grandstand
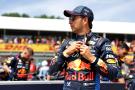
34	26
11	27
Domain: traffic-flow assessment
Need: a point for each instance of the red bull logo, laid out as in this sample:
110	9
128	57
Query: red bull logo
78	65
22	73
80	76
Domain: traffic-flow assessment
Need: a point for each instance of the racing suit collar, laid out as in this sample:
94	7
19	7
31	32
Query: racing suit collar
23	59
81	37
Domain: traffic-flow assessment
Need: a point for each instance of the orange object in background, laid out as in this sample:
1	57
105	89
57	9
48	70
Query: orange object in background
20	47
78	65
31	71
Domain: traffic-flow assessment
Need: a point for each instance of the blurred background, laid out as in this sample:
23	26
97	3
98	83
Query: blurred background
41	25
20	20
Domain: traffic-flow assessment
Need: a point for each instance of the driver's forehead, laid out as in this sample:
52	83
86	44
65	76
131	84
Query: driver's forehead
119	48
74	17
56	46
25	51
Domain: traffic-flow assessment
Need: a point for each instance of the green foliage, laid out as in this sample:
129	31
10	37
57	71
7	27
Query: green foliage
15	14
25	15
48	17
42	16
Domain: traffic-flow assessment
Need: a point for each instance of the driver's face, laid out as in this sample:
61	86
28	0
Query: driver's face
56	48
121	51
25	54
75	23
133	48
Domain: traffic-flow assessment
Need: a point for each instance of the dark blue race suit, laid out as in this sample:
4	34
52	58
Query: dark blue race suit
19	68
80	73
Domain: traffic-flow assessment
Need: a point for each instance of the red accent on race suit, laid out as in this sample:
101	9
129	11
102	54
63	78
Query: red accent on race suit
80	76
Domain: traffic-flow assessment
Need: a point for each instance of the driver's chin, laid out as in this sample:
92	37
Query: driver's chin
26	58
74	30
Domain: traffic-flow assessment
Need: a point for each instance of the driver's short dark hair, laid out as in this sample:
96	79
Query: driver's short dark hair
123	45
30	50
90	24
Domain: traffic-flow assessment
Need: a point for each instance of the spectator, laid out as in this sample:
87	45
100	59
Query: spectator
38	40
16	41
56	75
20	65
3	73
10	41
43	70
26	40
131	81
43	40
122	53
22	40
1	40
115	45
32	71
30	41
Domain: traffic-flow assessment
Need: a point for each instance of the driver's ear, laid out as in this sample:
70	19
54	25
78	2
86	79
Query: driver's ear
85	20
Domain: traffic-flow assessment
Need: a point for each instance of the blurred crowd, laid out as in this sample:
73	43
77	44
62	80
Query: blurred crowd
12	70
125	54
29	40
23	67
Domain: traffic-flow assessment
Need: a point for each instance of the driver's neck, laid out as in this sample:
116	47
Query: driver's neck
83	32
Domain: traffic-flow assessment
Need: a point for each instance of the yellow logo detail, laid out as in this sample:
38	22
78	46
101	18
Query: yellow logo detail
111	61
